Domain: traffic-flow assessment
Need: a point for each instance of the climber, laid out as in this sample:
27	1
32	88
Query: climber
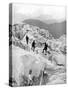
45	47
30	77
45	77
27	39
33	45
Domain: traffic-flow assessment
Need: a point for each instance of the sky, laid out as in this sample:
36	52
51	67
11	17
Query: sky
27	11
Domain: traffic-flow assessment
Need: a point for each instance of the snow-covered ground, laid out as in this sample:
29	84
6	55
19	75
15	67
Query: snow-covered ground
23	61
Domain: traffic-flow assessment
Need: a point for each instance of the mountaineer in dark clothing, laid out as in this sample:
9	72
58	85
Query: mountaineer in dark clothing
45	47
27	39
33	45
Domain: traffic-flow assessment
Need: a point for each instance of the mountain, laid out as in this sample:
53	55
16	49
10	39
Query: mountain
56	29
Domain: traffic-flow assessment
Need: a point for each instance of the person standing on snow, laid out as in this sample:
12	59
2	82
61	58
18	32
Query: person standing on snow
27	39
45	47
33	45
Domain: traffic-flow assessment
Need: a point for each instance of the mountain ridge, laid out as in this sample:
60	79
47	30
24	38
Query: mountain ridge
56	29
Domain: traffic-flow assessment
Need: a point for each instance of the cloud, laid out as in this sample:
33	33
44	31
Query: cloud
32	11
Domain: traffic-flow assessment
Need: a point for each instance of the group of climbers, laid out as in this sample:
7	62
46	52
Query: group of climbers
33	45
